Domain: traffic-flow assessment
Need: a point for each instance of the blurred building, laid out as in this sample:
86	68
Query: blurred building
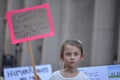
94	22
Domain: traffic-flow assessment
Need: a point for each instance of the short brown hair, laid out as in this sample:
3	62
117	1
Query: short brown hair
76	43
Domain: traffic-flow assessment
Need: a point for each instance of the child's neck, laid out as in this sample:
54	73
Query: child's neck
71	70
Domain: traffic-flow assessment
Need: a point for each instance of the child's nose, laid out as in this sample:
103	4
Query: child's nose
72	56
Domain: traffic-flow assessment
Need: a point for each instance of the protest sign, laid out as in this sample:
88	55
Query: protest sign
30	23
96	73
109	72
26	73
114	72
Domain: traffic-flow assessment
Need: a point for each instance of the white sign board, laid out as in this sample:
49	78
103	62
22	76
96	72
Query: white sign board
114	72
26	73
111	72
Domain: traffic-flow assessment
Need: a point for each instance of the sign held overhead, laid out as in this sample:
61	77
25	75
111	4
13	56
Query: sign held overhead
30	23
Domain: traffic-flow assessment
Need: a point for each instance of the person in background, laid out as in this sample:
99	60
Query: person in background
71	54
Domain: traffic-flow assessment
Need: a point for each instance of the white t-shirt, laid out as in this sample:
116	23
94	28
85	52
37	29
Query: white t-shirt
57	76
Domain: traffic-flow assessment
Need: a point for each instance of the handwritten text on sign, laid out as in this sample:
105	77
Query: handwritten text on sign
109	72
26	73
30	23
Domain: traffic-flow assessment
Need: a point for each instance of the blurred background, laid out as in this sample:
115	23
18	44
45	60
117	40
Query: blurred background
95	22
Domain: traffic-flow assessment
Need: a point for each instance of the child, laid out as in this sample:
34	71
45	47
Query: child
71	54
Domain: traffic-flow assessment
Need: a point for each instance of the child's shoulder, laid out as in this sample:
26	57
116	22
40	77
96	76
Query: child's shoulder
54	75
84	76
55	72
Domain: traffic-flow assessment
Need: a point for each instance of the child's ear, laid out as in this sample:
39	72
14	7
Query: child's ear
81	57
61	57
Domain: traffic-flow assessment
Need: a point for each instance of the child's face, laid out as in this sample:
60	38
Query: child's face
71	56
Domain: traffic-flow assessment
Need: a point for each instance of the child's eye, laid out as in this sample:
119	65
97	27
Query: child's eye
76	54
68	53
